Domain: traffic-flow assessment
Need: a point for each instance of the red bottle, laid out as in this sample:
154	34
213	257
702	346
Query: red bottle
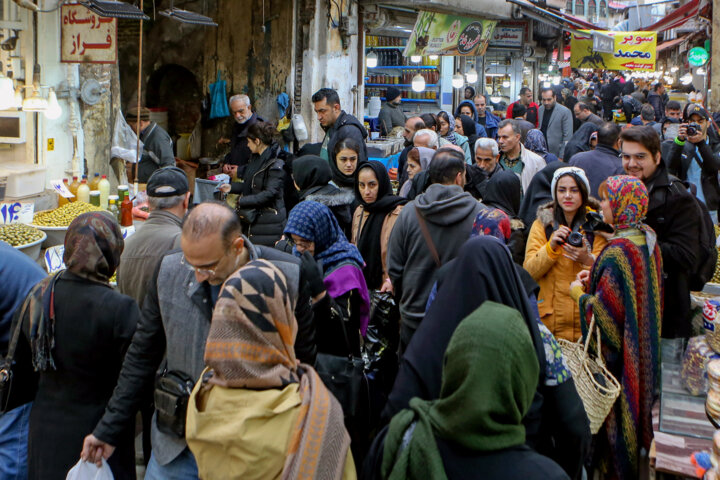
126	218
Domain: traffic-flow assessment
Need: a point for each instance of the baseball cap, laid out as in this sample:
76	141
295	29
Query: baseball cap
167	182
696	110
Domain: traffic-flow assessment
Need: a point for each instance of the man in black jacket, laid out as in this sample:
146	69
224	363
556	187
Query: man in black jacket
675	217
696	158
658	98
604	161
412	125
244	117
337	124
175	322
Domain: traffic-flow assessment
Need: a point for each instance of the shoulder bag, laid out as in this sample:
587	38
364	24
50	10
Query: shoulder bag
428	238
172	393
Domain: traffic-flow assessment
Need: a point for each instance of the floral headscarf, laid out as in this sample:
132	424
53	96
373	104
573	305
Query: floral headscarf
535	141
629	200
494	222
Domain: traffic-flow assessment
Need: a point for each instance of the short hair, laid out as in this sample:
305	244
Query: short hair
673	105
524	90
264	131
239	98
608	134
433	143
548	89
165	203
644	135
212	217
647	112
445	165
487	144
429	119
327	94
583	106
518	110
657	86
480	95
513	123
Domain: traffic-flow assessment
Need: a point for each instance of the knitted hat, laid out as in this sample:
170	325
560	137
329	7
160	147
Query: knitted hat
391	94
142	112
578	173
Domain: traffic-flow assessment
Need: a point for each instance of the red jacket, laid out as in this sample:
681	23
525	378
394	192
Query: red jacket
532	113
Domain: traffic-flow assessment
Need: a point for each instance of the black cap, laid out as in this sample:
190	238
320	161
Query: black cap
167	182
391	94
696	110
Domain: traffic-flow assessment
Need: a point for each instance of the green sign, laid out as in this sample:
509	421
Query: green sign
440	34
698	56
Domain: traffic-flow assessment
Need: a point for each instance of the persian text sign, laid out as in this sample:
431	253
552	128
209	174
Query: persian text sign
635	51
440	34
508	36
86	37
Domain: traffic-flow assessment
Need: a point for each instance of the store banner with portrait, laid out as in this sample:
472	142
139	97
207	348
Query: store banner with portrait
634	51
441	34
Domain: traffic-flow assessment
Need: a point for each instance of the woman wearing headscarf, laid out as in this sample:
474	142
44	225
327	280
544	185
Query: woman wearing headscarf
549	257
458	437
580	141
257	412
315	232
556	424
78	329
418	160
504	191
624	294
346	155
535	141
312	176
374	220
449	134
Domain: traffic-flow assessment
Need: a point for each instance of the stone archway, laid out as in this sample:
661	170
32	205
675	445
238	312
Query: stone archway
175	88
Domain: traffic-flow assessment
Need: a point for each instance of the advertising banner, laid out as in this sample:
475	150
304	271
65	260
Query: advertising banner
440	34
634	51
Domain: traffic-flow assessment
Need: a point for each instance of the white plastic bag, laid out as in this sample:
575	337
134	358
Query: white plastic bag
298	123
124	141
89	471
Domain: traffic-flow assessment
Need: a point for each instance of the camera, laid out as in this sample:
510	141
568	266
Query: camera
575	239
595	223
693	129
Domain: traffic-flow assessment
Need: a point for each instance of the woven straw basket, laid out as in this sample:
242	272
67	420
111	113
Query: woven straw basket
597	399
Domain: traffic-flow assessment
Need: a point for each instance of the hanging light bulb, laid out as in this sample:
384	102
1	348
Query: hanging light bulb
415	58
686	79
53	110
35	102
418	83
700	71
7	92
506	84
433	57
674	69
371	59
496	99
457	80
471	75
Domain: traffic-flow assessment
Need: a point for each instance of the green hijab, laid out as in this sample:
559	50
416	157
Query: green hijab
489	378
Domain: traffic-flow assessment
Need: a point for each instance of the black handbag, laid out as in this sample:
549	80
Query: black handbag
172	394
248	215
344	376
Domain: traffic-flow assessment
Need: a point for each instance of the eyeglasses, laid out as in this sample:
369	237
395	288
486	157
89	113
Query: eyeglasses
208	272
304	244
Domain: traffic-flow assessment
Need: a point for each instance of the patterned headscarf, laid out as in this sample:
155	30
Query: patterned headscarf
535	141
93	245
315	222
492	221
629	200
250	345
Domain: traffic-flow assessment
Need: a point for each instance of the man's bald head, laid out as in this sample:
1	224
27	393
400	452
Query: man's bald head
212	218
452	146
412	125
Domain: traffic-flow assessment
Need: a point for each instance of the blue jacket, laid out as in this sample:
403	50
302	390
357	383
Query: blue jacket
491	123
479	129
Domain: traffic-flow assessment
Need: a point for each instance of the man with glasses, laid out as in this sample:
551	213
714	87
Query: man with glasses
174	326
675	217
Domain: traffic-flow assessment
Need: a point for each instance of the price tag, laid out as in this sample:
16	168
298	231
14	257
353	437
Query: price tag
54	259
16	212
127	231
61	189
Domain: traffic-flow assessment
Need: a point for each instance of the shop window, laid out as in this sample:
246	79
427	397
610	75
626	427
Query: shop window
603	9
591	11
579	7
569	6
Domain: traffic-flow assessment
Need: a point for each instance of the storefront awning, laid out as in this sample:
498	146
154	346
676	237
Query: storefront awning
677	17
556	19
617	6
669	44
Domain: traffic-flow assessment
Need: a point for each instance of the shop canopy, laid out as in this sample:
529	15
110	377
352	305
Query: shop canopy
670	43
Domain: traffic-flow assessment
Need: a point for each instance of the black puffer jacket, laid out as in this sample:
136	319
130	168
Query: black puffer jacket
262	190
340	201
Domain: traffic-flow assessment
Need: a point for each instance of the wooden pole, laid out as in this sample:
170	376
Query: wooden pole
139	100
714	70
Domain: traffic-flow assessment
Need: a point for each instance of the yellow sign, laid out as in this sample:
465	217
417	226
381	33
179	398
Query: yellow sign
51	144
634	51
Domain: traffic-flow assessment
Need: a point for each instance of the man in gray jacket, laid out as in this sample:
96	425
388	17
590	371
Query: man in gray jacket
556	123
157	149
174	326
428	233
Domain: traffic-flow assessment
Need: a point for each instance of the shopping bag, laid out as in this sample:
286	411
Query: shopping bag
218	99
89	471
124	141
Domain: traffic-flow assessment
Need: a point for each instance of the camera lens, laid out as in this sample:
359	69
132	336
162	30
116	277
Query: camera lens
575	239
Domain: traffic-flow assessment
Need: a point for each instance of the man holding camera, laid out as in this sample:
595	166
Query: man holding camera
694	157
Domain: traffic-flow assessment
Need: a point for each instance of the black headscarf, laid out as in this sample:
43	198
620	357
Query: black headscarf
580	141
339	178
504	191
368	241
538	193
310	171
468	125
484	270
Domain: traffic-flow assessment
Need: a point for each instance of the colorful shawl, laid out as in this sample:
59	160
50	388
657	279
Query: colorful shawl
625	296
492	221
250	345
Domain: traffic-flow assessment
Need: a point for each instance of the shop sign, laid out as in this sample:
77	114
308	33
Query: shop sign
508	36
634	51
440	34
86	37
16	212
698	56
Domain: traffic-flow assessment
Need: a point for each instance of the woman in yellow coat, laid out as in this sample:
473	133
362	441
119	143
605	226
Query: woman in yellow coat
551	260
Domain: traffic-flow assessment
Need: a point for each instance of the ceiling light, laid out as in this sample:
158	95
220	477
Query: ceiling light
371	59
457	80
472	75
418	83
496	99
433	57
35	102
53	109
415	58
506	84
686	79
